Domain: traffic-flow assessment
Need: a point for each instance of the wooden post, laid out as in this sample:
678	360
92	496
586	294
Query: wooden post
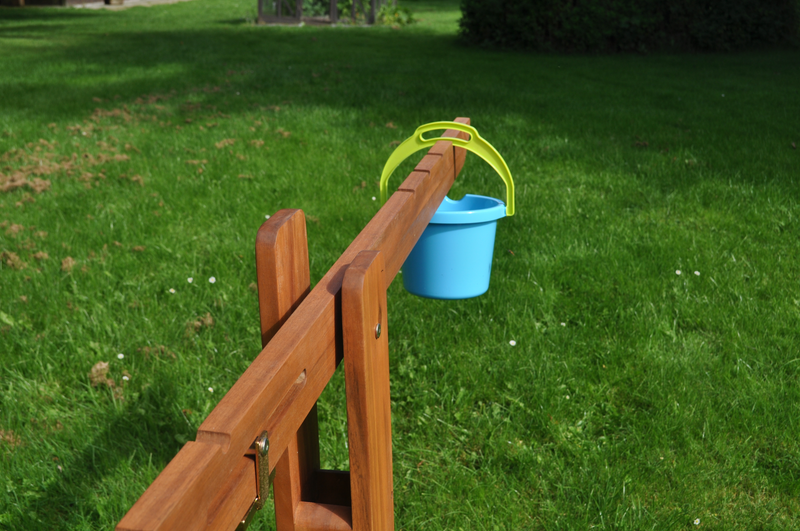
372	12
281	269
369	414
283	282
334	11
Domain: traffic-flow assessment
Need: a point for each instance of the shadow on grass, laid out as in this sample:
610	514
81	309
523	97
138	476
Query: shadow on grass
12	15
143	433
666	103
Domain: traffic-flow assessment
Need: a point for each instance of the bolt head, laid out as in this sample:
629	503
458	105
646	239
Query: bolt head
262	444
377	331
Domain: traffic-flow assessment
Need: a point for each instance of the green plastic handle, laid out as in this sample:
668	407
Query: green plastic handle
475	144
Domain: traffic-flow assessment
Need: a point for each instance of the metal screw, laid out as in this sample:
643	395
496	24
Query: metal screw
377	331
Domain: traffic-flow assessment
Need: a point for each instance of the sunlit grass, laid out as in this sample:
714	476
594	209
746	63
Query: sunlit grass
634	397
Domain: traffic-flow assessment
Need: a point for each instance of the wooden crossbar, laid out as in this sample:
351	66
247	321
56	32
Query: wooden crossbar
211	483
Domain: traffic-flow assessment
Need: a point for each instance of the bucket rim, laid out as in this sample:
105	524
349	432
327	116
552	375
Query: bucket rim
494	210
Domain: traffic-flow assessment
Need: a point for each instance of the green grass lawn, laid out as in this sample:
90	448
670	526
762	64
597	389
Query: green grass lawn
650	279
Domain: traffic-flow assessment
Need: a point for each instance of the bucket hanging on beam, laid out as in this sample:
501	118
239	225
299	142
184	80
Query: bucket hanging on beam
453	257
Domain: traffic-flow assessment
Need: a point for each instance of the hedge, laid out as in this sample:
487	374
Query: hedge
630	25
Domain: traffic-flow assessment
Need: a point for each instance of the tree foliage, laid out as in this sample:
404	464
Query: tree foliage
630	25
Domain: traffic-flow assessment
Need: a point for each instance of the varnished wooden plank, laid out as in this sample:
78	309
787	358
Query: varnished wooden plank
369	415
234	499
323	517
281	269
295	471
460	153
169	503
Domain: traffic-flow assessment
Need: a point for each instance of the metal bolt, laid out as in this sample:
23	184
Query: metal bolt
262	469
377	331
262	444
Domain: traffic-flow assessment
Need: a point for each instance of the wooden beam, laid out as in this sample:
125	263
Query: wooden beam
279	389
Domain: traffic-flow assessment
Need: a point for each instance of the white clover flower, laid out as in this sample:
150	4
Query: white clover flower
212	280
697	273
677	271
563	324
210	389
512	343
190	280
267	216
125	378
120	355
373	198
172	290
697	520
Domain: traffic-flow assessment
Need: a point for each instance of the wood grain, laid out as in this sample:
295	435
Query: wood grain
369	414
281	269
234	499
169	503
323	517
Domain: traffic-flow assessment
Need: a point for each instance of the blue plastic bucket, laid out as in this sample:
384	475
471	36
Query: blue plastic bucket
453	257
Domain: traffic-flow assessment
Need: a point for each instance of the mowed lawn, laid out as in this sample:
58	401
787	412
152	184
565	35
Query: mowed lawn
650	281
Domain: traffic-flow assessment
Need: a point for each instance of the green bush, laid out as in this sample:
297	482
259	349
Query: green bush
630	25
315	8
394	15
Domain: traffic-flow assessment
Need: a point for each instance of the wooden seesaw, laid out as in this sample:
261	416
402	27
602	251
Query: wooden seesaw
264	430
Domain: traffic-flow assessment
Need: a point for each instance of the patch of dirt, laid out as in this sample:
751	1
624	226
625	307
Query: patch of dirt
99	375
205	321
9	438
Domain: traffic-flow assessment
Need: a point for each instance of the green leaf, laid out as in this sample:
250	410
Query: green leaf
7	319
